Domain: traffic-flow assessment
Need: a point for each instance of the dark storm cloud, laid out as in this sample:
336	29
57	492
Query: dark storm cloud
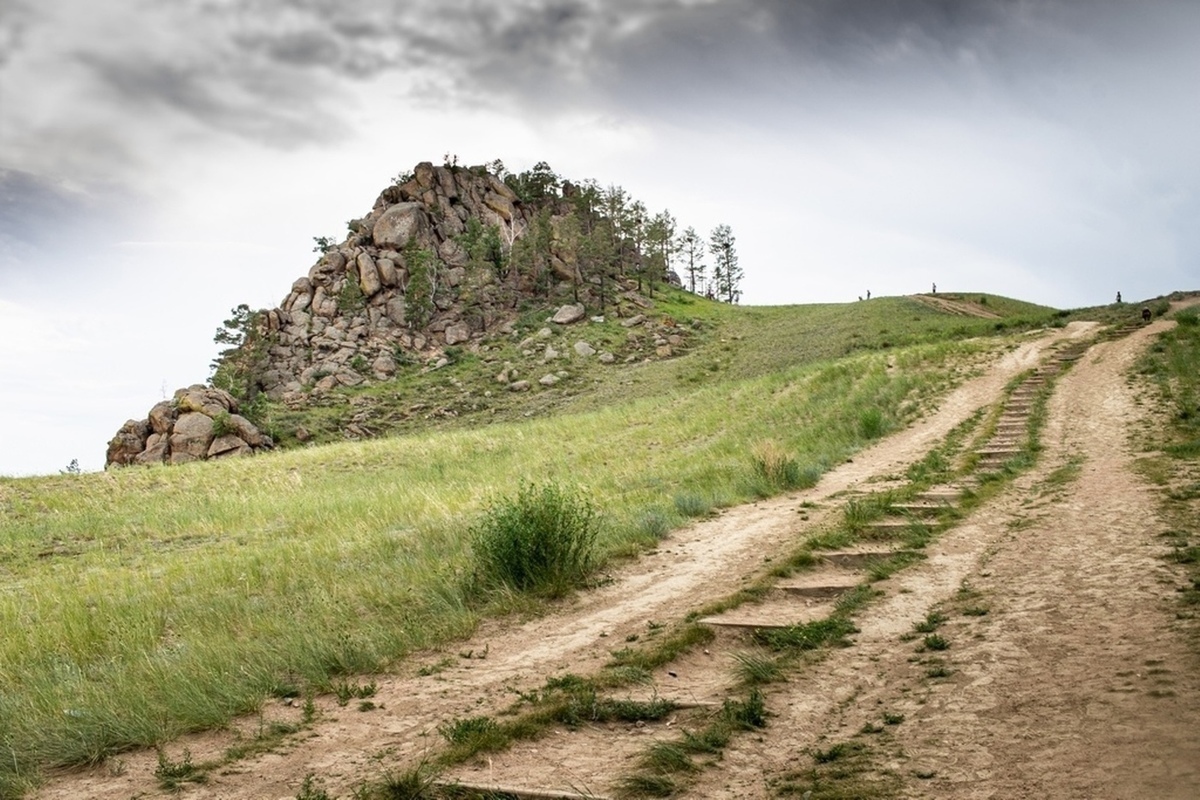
39	216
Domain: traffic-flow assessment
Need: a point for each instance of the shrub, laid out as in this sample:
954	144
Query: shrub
541	541
350	297
871	424
223	424
775	466
690	504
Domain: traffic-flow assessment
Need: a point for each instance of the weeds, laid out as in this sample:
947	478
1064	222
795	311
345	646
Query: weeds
777	468
173	775
935	641
756	669
310	790
691	504
540	541
808	636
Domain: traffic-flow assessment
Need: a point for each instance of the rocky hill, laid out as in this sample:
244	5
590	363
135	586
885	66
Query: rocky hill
442	259
447	258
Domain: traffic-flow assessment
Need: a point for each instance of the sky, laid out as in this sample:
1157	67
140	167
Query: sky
161	163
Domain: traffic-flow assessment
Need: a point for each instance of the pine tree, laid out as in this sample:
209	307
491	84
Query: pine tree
692	247
727	275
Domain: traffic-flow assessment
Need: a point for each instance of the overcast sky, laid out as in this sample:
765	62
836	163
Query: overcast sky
161	162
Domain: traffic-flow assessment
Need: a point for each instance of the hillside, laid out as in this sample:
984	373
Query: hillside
143	593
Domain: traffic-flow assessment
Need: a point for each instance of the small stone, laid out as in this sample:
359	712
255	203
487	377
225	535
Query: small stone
584	349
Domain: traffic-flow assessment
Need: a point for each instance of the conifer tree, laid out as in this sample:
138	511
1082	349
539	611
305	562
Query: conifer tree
727	275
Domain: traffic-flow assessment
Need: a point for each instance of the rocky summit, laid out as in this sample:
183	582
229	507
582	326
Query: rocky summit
447	259
404	284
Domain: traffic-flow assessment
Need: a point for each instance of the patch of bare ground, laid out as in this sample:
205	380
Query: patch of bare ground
949	305
695	566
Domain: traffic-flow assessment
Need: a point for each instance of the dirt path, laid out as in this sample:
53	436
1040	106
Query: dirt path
696	565
1074	684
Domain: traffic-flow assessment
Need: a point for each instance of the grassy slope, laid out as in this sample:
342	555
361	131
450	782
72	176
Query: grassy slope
145	602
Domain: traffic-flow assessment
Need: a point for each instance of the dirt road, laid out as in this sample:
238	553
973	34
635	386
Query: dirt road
1074	683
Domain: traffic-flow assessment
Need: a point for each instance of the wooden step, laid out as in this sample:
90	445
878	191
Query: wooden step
857	558
821	585
769	616
999	451
892	526
463	789
926	509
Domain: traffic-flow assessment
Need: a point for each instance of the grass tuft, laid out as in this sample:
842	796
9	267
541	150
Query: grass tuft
540	541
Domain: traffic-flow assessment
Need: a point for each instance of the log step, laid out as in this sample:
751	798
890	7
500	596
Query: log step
857	559
464	789
927	509
820	585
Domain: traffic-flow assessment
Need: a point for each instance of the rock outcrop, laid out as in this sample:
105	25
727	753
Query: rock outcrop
364	308
199	423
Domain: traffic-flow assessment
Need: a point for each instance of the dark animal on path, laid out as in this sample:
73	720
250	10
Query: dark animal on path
1146	314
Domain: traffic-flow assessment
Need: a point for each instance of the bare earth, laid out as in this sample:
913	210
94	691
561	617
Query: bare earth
1075	684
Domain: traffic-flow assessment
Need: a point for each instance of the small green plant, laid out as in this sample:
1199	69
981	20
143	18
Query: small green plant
172	775
836	752
892	718
323	244
754	669
775	466
668	757
540	541
223	424
350	298
935	641
746	714
690	504
413	784
469	730
931	622
808	636
871	424
648	785
345	692
311	790
655	524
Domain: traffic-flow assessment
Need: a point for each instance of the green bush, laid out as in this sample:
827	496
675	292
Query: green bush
541	541
691	504
776	467
871	424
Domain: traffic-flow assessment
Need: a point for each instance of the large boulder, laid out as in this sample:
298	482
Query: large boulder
191	436
128	443
569	314
368	275
396	227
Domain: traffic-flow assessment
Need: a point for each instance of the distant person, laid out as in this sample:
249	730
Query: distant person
935	288
1118	297
868	294
1145	313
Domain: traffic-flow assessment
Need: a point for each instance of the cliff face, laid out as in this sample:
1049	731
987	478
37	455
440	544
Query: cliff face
405	283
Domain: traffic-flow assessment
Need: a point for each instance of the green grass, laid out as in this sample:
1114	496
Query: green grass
142	604
541	540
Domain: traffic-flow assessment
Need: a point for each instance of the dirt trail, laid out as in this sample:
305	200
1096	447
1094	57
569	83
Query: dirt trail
1073	685
705	561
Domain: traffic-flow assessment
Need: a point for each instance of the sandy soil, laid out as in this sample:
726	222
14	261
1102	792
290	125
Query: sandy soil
1073	685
